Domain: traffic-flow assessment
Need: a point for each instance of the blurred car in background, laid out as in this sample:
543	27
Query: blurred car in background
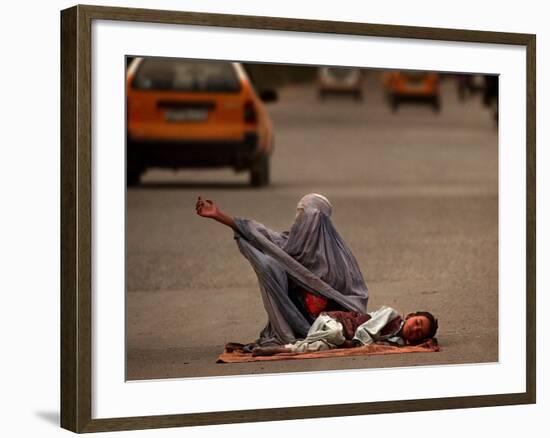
490	95
469	85
188	113
411	86
338	80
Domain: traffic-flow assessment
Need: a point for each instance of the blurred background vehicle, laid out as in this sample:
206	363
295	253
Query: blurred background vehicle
469	85
484	85
190	113
338	80
411	86
490	95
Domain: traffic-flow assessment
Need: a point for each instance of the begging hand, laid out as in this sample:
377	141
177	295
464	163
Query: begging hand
206	208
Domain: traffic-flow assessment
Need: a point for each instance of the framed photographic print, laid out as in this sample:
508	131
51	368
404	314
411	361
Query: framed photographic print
268	218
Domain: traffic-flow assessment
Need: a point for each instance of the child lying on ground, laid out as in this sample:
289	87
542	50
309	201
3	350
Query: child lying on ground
351	329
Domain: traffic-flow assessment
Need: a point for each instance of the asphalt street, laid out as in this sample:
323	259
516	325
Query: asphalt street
414	194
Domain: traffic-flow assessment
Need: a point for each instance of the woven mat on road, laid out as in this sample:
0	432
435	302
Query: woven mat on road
237	355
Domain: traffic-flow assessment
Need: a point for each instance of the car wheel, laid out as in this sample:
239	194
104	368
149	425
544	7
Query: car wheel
133	164
133	170
133	176
394	103
259	173
436	105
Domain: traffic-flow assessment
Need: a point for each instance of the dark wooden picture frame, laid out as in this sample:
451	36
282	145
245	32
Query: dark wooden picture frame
76	218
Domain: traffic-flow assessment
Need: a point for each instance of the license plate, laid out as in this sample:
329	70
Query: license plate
415	86
187	115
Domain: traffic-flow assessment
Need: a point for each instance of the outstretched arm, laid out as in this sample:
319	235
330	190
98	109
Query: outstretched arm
207	208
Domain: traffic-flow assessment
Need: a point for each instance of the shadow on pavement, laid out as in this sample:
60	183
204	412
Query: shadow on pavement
51	417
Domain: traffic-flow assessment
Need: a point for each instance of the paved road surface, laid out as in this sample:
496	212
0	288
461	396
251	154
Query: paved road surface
414	194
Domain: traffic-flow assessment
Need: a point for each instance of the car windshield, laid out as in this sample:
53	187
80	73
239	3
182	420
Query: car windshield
184	75
340	73
415	76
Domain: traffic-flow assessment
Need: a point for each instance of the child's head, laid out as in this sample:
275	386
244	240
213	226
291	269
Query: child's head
418	327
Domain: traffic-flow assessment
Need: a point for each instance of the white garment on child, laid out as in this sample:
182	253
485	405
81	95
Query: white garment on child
324	334
370	332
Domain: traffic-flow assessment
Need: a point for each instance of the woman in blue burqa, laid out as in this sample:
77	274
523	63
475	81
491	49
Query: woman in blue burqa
300	272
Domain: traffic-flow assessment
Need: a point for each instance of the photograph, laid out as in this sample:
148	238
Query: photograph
285	218
268	220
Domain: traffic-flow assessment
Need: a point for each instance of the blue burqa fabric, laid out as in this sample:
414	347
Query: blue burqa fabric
313	255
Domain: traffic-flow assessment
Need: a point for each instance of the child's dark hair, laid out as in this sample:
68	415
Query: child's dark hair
431	318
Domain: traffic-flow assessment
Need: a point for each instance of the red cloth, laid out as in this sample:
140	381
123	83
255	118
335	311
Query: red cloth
315	304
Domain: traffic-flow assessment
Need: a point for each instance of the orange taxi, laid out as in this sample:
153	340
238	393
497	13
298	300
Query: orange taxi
188	113
412	86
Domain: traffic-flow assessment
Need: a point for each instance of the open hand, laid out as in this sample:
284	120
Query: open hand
206	208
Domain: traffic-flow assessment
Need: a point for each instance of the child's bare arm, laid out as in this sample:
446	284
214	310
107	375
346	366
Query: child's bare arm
270	351
207	208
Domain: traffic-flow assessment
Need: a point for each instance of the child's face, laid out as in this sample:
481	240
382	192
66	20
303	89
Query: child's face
416	328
